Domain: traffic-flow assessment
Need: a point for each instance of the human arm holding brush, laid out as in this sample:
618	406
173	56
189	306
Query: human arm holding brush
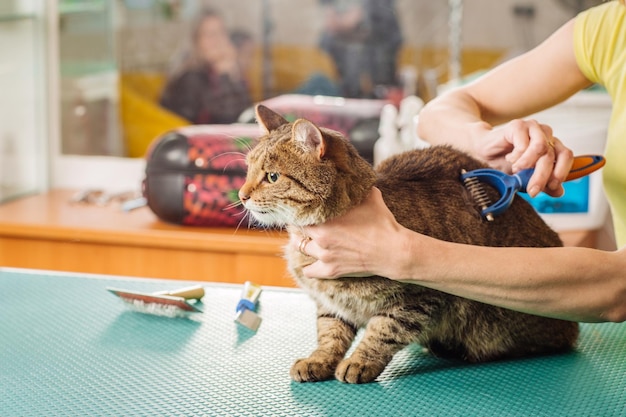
572	283
466	117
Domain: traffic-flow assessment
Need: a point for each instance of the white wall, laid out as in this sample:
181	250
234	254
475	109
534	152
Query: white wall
22	153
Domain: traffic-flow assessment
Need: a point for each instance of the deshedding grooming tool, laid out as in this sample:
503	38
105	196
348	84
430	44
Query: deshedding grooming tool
508	185
164	303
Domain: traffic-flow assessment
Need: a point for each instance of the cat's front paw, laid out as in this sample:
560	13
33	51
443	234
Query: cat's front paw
355	371
311	370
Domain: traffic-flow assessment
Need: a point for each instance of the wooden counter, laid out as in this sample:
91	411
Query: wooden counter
48	232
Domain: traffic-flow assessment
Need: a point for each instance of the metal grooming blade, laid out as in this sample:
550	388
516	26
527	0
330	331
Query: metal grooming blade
508	185
478	193
164	303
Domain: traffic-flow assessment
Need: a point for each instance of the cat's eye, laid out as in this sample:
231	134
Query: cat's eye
272	177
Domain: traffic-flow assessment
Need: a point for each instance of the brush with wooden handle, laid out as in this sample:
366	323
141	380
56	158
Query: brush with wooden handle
163	303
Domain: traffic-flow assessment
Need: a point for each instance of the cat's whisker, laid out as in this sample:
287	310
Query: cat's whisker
243	155
233	161
237	160
245	142
243	218
242	159
253	223
233	205
241	212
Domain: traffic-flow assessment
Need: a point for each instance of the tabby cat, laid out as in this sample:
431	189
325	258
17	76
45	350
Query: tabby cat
300	174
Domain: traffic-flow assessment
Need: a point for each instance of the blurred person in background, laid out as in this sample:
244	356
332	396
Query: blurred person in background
363	38
207	84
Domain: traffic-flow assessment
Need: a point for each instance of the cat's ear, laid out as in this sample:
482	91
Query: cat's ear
269	119
310	136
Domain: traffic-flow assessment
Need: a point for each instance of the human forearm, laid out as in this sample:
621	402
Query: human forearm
570	283
484	117
453	118
456	118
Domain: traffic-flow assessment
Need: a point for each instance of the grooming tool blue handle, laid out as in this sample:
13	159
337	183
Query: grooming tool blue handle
507	185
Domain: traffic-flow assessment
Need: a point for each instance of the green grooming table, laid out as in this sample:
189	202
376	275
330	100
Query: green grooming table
70	348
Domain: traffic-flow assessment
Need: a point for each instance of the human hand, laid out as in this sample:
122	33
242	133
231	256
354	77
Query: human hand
359	243
522	144
226	61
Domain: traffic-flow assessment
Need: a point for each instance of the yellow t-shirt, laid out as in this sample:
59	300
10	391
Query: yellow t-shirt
600	47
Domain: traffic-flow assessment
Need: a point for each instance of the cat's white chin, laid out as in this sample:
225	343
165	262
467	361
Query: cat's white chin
267	219
273	219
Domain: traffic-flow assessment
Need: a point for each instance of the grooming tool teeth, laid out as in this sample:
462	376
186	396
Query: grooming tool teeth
507	185
478	193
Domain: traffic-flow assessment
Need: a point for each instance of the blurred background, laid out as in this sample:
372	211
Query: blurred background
85	77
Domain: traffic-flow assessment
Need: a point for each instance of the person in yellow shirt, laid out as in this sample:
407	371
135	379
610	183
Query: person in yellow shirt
572	283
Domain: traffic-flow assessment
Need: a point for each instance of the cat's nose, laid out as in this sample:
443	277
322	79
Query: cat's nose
243	196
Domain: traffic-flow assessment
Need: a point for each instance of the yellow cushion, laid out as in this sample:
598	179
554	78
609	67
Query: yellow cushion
141	116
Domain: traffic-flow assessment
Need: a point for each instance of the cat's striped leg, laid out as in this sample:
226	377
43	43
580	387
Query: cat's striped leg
334	338
383	338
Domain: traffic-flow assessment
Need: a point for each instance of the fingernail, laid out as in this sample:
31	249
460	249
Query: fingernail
534	190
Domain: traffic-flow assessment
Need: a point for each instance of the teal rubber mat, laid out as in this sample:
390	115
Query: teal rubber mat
70	348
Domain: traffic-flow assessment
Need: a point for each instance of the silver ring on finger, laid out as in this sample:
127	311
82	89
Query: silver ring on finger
302	246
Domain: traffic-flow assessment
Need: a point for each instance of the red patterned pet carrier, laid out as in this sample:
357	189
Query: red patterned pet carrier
193	174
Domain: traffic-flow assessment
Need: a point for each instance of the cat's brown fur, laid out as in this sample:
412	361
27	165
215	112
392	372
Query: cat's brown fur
300	175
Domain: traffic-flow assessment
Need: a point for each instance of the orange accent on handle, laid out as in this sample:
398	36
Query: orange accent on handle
584	165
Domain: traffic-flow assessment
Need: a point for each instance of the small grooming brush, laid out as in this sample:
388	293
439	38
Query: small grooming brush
246	308
164	303
508	185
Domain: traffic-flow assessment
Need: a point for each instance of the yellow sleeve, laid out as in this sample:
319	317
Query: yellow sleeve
600	35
